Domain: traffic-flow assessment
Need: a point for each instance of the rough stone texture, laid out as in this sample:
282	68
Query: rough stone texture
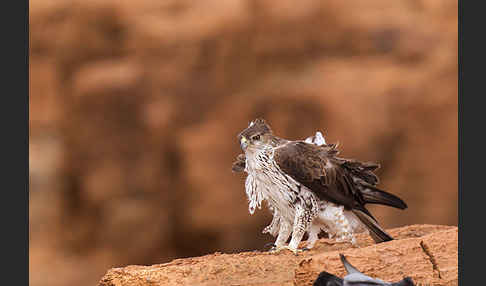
426	253
135	105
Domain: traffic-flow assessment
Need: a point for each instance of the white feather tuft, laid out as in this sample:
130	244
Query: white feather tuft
255	197
317	139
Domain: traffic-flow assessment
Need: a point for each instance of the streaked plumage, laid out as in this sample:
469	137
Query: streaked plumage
308	188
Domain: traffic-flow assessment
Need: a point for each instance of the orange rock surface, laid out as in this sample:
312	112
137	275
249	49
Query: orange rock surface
426	253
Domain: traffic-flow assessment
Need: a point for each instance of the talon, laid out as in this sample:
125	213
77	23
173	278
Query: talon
269	244
296	251
274	249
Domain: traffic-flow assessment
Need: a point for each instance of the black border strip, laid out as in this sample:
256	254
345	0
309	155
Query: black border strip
14	119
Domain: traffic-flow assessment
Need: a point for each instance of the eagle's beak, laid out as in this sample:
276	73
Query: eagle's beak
243	142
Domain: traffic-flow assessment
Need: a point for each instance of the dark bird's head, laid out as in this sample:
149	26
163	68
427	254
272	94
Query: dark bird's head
327	279
258	135
407	281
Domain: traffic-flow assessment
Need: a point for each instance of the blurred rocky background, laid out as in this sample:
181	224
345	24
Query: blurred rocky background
135	107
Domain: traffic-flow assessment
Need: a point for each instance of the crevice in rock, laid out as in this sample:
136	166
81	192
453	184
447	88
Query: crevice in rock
431	257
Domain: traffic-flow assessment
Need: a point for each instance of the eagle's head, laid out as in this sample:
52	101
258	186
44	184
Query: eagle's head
257	136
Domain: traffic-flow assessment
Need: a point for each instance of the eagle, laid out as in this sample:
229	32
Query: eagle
309	188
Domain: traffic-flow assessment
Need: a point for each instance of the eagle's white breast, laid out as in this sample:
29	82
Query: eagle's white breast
265	182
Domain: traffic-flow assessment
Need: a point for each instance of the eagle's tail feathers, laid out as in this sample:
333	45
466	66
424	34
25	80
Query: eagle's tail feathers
375	230
373	195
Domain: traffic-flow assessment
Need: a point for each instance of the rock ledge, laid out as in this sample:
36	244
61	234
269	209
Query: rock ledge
427	253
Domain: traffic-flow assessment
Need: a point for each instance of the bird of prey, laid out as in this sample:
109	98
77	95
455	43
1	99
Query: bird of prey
239	166
308	188
355	278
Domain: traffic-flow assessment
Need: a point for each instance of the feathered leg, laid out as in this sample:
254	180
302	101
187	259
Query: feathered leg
313	236
301	224
274	226
283	234
302	221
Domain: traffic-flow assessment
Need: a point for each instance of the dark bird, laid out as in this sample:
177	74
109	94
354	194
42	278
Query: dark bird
308	188
355	278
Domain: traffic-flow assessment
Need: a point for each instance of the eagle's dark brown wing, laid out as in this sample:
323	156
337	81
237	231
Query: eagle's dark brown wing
365	180
321	172
318	169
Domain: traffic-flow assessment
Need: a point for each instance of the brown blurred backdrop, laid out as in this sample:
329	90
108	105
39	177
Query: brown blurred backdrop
135	107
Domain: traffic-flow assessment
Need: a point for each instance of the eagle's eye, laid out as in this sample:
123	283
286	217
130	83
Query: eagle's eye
255	138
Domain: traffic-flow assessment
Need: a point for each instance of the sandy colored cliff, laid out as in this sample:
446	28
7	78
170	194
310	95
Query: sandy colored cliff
426	253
